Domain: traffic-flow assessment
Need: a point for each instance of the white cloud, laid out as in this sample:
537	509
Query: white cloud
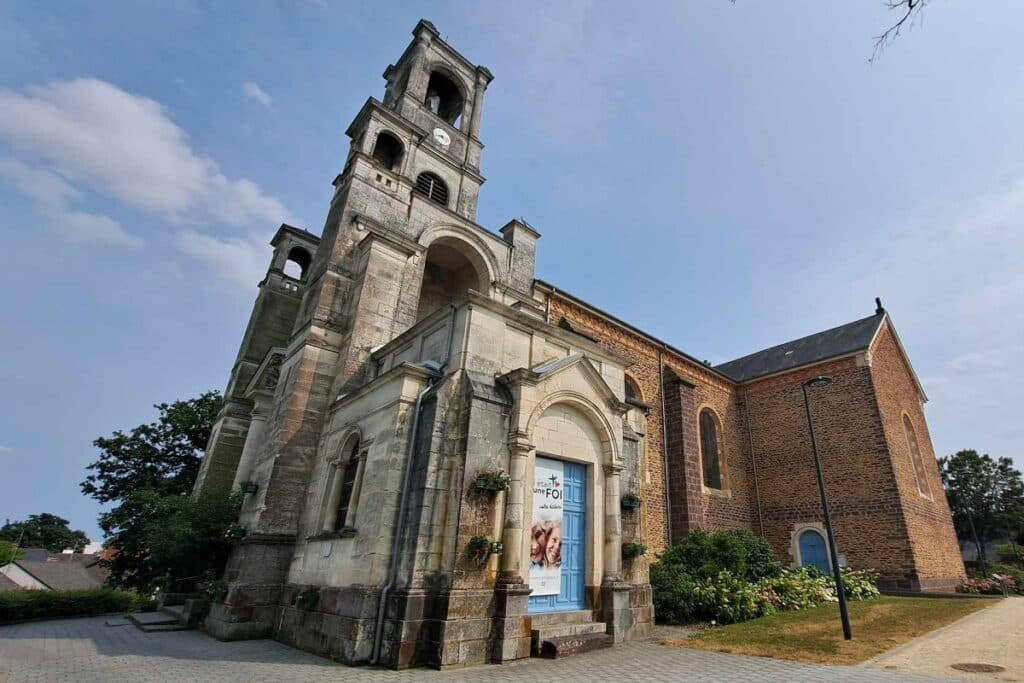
951	275
239	261
255	92
52	193
4	450
124	146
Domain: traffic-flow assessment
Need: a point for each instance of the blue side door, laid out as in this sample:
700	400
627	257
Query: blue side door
812	551
574	531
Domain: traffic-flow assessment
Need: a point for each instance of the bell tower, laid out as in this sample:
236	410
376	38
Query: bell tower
424	135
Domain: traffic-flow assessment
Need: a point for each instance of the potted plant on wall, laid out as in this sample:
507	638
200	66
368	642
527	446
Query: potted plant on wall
630	501
307	598
480	547
633	549
492	480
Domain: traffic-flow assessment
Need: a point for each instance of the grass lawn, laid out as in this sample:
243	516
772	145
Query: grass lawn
815	635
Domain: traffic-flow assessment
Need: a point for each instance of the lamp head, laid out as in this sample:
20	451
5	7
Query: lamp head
817	382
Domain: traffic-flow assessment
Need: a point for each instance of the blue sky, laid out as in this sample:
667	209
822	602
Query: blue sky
724	175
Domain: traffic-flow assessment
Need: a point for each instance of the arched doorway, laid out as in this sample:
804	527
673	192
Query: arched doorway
813	550
560	530
450	270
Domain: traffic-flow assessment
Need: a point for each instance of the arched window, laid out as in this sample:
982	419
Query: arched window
443	98
915	457
432	187
343	490
710	450
813	552
387	151
297	263
348	481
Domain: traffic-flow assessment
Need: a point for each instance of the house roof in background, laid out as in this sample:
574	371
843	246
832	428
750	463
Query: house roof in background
72	571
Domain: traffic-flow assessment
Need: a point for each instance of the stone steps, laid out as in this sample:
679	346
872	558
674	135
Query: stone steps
167	619
565	646
552	618
560	634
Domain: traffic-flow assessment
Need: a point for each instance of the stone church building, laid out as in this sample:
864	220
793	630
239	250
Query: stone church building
443	456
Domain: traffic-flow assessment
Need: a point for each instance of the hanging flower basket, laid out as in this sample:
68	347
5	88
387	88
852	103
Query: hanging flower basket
479	548
492	481
234	533
631	550
630	501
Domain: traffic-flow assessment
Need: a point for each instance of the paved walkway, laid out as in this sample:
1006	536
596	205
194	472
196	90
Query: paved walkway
992	636
86	650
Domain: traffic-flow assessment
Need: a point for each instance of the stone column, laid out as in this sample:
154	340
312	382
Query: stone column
515	512
509	629
253	438
478	105
612	525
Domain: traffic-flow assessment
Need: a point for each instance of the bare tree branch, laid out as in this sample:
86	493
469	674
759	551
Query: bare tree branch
910	9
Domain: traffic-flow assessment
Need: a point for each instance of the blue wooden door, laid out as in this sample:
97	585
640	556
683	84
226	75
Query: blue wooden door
812	550
571	594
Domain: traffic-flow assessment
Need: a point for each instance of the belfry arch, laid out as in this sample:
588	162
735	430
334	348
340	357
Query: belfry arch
451	267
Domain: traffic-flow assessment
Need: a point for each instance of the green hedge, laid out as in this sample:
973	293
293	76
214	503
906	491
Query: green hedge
38	604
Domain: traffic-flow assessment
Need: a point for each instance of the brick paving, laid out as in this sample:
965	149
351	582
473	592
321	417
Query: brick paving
86	650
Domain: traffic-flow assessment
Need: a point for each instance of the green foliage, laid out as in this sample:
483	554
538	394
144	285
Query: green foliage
739	552
181	537
985	583
29	604
727	599
9	552
633	549
1010	553
985	494
161	456
700	579
44	531
147	472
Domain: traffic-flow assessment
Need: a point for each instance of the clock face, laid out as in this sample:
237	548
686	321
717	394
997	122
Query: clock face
441	137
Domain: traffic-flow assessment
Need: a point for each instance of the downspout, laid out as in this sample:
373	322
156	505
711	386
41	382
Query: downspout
378	631
400	523
664	443
753	461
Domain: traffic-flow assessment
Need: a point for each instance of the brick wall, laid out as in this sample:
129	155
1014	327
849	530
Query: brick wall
937	557
880	520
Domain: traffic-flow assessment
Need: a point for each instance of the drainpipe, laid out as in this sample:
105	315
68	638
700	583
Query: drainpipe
664	443
753	461
400	523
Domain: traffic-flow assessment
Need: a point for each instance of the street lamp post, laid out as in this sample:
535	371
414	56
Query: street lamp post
844	615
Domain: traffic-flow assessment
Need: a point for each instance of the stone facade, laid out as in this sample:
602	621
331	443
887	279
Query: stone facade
414	351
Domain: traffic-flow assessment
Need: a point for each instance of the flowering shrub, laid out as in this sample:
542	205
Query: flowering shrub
727	599
683	594
799	589
988	586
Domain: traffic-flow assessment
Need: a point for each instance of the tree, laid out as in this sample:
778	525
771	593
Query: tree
908	11
44	531
9	552
161	456
176	536
141	471
986	497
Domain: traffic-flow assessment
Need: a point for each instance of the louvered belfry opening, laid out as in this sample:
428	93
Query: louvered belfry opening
432	187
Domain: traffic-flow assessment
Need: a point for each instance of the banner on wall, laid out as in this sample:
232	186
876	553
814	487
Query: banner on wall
546	528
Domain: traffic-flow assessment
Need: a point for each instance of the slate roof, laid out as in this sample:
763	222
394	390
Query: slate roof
838	341
65	572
